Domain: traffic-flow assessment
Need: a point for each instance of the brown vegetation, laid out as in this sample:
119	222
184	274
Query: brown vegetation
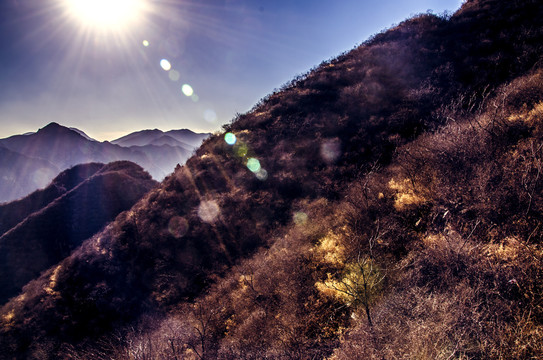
399	216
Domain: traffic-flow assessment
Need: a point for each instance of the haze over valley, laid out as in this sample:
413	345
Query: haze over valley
30	161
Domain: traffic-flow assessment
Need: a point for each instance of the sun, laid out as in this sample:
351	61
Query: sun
106	15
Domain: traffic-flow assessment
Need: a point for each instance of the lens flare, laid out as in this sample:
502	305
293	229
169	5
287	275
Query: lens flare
230	138
178	226
145	43
209	211
174	75
262	175
300	218
210	116
253	165
165	65
187	90
241	150
331	150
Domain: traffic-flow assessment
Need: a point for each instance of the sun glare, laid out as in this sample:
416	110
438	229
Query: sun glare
106	14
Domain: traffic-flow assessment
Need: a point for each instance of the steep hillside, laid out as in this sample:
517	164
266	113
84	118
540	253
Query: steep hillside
14	212
50	233
385	205
436	255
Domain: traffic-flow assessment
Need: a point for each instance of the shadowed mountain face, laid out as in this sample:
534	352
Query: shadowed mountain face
384	192
31	161
50	223
14	212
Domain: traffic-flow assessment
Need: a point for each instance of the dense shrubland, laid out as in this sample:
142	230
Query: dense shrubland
414	261
399	217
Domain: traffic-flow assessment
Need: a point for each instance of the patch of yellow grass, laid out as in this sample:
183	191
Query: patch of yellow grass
53	281
405	194
331	250
530	117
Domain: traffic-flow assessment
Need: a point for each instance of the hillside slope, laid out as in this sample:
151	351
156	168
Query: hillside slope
385	205
50	233
14	212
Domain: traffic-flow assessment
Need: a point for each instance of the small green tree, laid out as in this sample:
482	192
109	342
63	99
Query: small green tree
359	285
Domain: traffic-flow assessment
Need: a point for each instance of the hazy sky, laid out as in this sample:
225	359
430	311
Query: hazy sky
106	75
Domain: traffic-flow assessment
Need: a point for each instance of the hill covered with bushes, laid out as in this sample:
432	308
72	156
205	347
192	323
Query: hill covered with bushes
387	204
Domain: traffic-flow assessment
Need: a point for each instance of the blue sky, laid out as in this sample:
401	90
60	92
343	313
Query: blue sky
230	53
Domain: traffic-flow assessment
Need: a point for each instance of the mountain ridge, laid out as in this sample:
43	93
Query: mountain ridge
387	204
146	137
60	147
13	212
54	228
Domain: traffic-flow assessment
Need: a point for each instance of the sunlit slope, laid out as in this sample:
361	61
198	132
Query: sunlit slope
308	142
435	255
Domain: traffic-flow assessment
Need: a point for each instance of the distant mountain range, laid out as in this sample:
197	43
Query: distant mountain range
29	162
183	138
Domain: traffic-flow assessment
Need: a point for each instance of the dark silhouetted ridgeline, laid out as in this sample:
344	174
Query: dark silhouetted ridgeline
88	197
14	212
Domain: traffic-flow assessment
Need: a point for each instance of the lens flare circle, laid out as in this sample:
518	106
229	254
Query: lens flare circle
178	226
210	115
331	150
241	149
253	165
187	90
300	218
174	75
230	138
209	211
165	65
262	175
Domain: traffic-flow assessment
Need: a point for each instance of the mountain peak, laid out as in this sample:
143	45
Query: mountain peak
55	128
53	124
